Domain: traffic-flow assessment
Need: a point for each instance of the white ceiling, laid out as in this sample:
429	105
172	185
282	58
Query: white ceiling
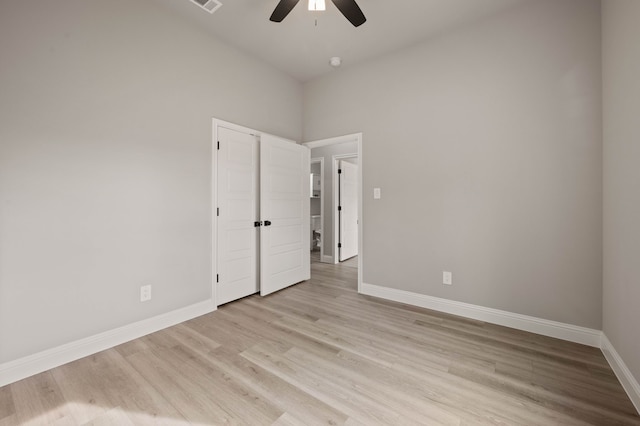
302	49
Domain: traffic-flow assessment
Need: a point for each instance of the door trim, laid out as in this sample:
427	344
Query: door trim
355	137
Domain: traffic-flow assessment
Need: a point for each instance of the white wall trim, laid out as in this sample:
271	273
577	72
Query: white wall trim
629	383
33	364
572	333
326	259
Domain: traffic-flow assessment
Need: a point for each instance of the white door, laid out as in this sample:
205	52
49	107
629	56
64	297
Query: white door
284	211
237	245
348	210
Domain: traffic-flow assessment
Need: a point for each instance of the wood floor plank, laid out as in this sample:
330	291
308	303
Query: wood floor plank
192	400
354	404
375	349
186	336
246	405
11	420
288	420
404	333
349	375
276	334
39	400
591	412
114	417
94	385
289	398
7	408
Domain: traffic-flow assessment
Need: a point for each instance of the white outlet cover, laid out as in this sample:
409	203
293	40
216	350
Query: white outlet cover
145	293
376	194
447	278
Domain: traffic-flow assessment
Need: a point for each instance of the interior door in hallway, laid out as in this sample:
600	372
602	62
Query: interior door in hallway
284	210
348	203
237	241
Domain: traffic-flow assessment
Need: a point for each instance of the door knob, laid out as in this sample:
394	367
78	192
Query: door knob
267	223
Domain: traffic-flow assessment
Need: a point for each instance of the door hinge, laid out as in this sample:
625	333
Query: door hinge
339	208
217	278
218	211
339	245
339	171
218	144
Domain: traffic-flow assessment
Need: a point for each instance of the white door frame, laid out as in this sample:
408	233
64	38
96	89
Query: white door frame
322	194
356	137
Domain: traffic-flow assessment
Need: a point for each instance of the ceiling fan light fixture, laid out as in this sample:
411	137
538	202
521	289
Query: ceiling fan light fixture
317	5
349	8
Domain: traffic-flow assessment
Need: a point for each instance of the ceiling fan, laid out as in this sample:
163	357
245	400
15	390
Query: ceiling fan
349	8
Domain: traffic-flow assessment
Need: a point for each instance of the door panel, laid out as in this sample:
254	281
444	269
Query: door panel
284	201
237	245
349	211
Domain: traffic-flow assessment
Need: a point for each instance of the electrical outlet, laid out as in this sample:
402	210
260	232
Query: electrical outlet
447	278
376	194
145	293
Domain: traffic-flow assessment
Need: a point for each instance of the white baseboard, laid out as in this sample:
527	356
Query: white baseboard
572	333
629	383
33	364
327	259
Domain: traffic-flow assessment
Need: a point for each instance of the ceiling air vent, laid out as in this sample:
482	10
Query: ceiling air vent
208	5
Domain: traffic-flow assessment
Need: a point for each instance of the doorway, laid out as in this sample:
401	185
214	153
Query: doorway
332	151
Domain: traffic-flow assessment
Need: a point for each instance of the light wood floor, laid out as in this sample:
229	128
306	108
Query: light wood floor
319	353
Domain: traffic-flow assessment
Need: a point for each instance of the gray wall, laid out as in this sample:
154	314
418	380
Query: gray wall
621	92
105	161
486	142
327	152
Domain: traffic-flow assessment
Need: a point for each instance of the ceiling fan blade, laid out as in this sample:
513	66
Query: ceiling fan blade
351	11
282	10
